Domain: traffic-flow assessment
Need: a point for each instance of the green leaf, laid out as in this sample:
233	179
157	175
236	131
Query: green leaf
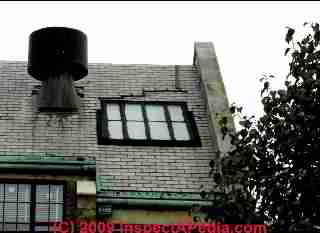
211	164
224	131
253	132
316	38
232	109
210	172
306	40
289	34
265	87
282	92
243	133
217	178
315	27
203	194
310	48
224	120
287	83
245	123
286	52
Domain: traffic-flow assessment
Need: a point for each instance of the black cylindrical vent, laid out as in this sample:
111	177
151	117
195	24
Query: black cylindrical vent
58	94
57	50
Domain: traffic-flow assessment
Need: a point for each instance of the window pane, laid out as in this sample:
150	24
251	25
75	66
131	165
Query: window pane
55	212
23	212
42	212
11	192
159	131
42	193
41	228
1	212
180	131
1	192
24	193
56	228
56	193
155	113
10	212
10	227
136	130
23	227
113	112
13	212
134	112
176	113
115	129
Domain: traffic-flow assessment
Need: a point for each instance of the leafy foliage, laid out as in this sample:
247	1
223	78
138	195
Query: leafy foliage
274	161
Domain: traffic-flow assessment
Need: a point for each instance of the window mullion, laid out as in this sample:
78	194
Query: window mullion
63	202
17	208
145	120
124	121
187	119
49	205
32	207
3	205
169	122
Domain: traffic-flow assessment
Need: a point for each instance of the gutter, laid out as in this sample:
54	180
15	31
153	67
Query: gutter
63	162
153	203
61	167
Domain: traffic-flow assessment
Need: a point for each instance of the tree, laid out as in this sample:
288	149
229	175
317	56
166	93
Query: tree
274	162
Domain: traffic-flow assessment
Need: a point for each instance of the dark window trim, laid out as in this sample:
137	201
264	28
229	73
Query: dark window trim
102	131
33	184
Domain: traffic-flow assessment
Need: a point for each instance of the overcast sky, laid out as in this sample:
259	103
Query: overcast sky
248	36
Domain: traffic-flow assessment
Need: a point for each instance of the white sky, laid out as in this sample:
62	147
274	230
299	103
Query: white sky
248	36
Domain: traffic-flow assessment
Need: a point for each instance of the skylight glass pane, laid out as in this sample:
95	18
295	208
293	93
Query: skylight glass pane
159	131
56	193
136	130
42	193
24	193
133	112
23	212
176	113
11	192
10	212
115	129
42	212
113	112
155	113
180	131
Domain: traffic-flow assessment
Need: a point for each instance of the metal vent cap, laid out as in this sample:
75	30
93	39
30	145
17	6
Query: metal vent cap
57	50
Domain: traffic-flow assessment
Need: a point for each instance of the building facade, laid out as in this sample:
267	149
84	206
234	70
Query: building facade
137	150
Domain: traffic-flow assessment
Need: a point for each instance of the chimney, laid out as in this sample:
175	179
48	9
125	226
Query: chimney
58	57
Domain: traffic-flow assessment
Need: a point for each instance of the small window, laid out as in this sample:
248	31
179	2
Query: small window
146	123
26	207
